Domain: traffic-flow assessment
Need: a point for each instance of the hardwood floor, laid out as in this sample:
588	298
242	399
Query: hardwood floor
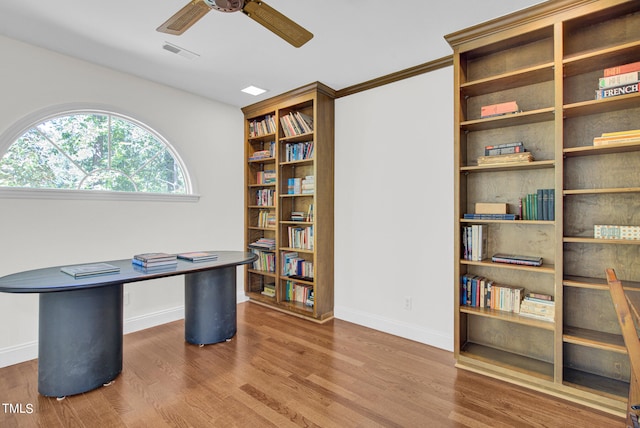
280	371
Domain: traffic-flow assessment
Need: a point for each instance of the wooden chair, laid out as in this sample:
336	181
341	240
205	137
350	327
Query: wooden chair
626	312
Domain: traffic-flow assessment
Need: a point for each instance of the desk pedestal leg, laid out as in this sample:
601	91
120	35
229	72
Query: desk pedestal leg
210	306
80	340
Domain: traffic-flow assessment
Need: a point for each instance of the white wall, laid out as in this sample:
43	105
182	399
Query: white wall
394	198
394	208
37	233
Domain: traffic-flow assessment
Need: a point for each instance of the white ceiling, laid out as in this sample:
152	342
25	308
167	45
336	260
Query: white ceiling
354	40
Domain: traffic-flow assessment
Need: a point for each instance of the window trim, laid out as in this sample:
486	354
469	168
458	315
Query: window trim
33	119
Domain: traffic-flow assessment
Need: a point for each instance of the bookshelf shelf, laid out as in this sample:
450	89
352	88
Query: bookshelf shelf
517	222
549	58
515	119
508	317
600	150
594	339
607	105
304	115
485	359
578	239
527	76
547	269
509	166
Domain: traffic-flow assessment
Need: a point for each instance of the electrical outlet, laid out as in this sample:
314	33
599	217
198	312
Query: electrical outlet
407	303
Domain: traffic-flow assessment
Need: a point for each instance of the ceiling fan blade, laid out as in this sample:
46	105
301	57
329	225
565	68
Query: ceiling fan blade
184	18
277	22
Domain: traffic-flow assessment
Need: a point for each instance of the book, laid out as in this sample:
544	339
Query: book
491	208
603	231
517	259
475	216
498	109
617	91
503	149
80	271
619	80
539	296
264	244
507	158
621	137
198	256
622	69
154	257
154	263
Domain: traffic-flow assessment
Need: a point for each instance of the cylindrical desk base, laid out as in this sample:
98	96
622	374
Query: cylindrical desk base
80	340
210	306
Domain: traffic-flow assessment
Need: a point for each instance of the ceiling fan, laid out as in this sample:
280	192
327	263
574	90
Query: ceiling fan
257	10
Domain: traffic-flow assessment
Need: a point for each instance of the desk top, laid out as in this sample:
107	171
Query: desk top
52	279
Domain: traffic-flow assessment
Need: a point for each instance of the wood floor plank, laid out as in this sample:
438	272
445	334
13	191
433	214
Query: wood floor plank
281	371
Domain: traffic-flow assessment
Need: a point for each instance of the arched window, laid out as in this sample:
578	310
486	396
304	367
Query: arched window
93	150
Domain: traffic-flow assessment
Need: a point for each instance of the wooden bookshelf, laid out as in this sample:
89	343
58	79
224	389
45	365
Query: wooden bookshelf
315	202
548	58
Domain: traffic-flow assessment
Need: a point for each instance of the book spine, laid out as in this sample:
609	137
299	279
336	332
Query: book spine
616	91
503	149
619	80
622	69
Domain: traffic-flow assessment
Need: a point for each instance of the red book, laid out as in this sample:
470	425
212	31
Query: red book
498	109
620	69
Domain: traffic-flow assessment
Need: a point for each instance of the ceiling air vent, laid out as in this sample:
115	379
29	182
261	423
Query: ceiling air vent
180	51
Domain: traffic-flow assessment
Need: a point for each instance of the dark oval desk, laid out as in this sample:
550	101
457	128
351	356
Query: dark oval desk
81	320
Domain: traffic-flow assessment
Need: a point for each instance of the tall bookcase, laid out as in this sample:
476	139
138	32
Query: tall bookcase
292	209
548	58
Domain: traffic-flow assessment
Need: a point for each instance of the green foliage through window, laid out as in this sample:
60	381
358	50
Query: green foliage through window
92	151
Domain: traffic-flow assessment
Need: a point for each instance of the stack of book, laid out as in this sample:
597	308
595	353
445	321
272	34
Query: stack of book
523	157
298	216
269	290
480	292
621	137
540	205
539	306
198	256
491	211
296	123
151	261
308	185
262	127
619	80
268	244
475	242
267	153
517	259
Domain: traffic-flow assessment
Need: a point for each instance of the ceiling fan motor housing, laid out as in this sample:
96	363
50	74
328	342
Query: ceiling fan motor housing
225	5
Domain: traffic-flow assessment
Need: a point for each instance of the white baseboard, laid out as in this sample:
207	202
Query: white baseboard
395	327
18	354
152	319
29	351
